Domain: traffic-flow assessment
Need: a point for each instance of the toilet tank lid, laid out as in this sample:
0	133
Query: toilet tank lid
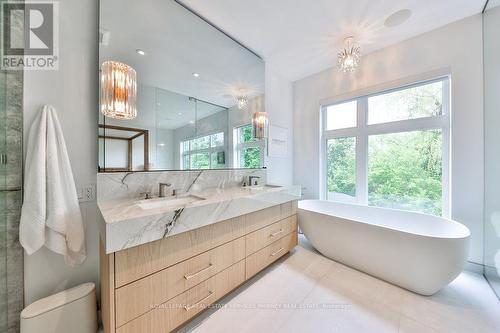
57	300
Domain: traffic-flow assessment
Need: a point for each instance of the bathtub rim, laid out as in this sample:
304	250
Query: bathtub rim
463	233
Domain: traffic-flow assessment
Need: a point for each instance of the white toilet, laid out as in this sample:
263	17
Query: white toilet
73	310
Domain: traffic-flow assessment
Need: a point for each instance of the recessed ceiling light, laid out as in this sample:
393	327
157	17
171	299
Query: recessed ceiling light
191	122
180	113
397	18
196	74
141	52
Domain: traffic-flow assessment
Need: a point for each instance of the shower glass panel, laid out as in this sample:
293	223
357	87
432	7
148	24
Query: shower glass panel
3	208
11	254
491	28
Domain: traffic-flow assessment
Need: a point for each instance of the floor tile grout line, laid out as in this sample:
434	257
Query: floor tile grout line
301	301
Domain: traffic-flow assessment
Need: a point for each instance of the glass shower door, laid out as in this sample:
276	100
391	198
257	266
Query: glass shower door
11	254
3	207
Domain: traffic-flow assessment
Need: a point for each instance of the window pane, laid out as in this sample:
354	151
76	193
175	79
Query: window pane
218	160
245	134
341	115
217	139
200	143
341	169
416	102
250	158
405	171
200	161
185	146
185	162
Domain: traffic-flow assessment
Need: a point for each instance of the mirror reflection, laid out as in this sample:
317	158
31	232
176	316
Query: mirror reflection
182	93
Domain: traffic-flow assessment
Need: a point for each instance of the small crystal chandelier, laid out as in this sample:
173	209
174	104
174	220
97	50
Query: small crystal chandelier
260	124
349	57
242	102
118	90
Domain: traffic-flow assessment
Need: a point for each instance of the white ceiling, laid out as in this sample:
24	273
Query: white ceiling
298	38
177	44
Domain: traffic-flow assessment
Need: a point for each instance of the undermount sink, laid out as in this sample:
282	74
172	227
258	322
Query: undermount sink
262	187
168	202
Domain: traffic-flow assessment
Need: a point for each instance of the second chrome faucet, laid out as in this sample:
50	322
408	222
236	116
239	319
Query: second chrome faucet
163	190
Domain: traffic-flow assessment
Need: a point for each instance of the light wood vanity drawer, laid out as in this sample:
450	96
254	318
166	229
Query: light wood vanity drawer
262	218
168	316
137	262
263	258
138	297
265	236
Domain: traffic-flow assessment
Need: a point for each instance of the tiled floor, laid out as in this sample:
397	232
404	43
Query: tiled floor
306	292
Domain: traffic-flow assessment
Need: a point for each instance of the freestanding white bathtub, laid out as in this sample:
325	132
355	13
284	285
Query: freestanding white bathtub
418	252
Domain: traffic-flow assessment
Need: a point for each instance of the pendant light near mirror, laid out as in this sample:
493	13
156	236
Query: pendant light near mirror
260	124
349	57
118	90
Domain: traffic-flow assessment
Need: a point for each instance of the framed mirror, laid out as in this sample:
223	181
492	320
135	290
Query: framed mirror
176	92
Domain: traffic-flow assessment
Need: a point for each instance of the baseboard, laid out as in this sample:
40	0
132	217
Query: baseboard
474	267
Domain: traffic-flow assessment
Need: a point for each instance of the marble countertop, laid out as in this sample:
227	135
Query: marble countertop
127	223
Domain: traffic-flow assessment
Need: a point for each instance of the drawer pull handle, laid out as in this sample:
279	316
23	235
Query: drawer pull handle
189	307
190	276
275	253
276	233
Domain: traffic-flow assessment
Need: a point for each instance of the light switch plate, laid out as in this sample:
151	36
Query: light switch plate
86	193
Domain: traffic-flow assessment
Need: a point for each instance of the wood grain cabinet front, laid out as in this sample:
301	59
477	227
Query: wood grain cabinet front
265	236
263	258
140	261
167	316
138	297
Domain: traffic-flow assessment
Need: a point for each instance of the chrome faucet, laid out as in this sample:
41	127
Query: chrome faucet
147	195
250	178
162	189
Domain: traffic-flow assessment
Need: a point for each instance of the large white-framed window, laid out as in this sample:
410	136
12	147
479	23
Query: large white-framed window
389	148
248	152
203	152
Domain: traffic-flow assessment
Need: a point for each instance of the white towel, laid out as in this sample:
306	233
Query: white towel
50	214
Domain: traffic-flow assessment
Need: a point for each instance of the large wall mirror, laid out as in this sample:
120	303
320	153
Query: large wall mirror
189	95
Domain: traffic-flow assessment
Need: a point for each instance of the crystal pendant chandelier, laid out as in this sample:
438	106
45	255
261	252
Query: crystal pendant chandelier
242	102
118	90
349	57
260	124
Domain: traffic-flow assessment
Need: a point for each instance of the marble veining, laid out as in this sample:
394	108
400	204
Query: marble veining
125	224
122	185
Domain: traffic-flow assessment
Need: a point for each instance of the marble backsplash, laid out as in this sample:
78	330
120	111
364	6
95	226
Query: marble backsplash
130	185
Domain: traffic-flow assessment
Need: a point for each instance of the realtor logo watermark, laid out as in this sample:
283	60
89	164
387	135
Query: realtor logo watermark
30	35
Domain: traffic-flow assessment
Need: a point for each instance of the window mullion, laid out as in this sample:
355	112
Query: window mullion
446	151
362	152
323	177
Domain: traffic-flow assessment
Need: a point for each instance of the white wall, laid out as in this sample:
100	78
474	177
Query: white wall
458	47
492	138
73	91
279	105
